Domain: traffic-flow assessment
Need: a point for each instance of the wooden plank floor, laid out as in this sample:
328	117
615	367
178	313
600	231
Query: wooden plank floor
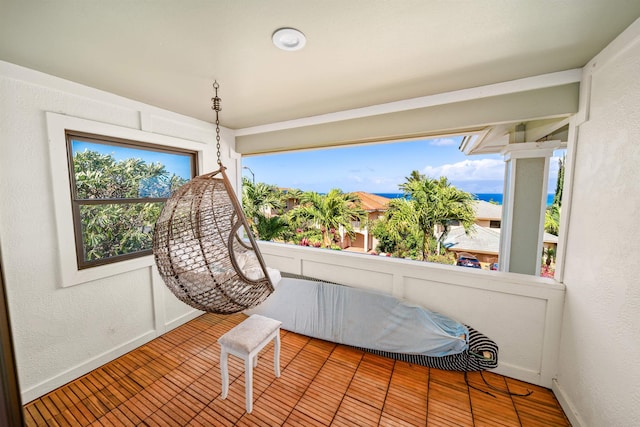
175	381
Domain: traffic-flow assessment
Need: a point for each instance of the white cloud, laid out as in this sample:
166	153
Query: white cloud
468	170
443	142
356	178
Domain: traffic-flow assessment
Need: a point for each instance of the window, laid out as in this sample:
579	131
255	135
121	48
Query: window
118	188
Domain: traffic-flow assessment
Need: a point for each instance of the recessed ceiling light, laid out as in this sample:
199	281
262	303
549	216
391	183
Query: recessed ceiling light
288	39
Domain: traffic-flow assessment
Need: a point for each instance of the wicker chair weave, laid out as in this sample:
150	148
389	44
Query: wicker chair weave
200	242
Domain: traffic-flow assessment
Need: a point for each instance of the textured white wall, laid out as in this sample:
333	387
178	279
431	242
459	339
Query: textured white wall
599	369
62	332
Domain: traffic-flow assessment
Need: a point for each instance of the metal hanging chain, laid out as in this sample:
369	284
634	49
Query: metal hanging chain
216	107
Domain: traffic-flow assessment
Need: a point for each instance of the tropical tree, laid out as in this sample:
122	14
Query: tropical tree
453	206
429	206
415	176
117	226
290	194
437	203
557	198
101	176
397	232
552	213
257	199
270	228
552	219
549	255
328	212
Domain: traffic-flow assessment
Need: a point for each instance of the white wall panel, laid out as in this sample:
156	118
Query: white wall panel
63	332
521	313
598	375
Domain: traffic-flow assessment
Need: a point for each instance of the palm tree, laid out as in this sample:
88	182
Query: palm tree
257	199
549	254
552	214
293	194
270	228
328	212
415	176
429	204
557	198
396	231
453	205
552	219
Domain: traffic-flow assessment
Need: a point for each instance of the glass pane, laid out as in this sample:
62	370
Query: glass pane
117	229
104	171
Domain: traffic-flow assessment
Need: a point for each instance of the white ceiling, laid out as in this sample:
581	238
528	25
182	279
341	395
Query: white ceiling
359	52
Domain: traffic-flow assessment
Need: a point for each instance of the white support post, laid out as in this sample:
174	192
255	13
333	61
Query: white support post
524	205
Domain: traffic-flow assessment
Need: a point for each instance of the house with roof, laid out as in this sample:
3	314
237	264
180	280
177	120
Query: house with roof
519	79
483	240
487	214
375	206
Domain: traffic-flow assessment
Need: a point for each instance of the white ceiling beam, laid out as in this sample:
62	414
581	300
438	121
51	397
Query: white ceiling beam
504	88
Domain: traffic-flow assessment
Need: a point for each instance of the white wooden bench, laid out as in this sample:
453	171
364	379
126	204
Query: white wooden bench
245	341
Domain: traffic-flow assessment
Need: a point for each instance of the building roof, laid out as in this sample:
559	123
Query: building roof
372	202
486	210
480	239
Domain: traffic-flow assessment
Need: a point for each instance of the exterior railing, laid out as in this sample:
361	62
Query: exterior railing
521	313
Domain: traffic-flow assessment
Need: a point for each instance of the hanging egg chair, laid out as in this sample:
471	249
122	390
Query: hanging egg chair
203	246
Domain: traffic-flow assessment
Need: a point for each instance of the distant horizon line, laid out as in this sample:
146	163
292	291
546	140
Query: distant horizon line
470	192
486	197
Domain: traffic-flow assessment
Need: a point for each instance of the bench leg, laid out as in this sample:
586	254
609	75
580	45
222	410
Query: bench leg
248	382
224	369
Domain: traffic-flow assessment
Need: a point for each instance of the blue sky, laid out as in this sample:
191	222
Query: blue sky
380	168
175	163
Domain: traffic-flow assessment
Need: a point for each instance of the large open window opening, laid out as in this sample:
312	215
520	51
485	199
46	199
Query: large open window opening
422	199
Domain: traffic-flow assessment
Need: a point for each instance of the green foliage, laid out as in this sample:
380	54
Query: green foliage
111	229
552	219
557	198
100	176
429	205
117	229
396	231
269	228
552	214
309	237
327	212
549	255
407	230
257	200
446	258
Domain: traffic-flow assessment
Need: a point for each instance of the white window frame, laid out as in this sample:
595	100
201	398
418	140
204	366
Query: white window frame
57	125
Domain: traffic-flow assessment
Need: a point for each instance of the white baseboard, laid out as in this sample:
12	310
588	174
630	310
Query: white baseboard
83	368
172	324
520	373
95	362
566	404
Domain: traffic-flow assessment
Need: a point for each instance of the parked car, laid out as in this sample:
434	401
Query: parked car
494	266
468	260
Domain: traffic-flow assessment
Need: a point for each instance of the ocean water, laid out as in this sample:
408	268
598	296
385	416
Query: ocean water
487	197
